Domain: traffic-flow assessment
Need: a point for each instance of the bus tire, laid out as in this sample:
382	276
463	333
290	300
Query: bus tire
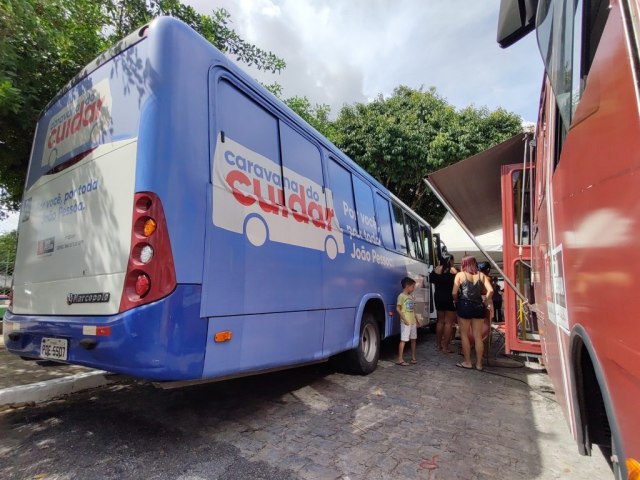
363	359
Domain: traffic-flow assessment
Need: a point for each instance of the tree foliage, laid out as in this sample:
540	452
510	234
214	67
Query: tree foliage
126	15
8	245
403	138
315	115
44	43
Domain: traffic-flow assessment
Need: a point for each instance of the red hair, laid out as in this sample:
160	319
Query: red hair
469	265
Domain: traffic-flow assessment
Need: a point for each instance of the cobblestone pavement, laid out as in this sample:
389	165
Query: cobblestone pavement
429	421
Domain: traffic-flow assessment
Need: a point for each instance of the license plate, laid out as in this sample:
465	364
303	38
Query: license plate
54	348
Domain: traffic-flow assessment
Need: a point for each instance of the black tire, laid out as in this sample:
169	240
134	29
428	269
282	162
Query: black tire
363	359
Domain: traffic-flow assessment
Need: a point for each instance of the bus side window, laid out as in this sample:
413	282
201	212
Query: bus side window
384	221
413	236
367	225
521	191
398	230
427	244
245	122
541	151
417	238
342	190
568	37
302	157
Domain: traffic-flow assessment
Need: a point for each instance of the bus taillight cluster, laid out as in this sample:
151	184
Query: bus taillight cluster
150	272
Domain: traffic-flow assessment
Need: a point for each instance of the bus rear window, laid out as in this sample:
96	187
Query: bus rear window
101	108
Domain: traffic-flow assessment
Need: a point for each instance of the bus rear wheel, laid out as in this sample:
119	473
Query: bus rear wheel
364	358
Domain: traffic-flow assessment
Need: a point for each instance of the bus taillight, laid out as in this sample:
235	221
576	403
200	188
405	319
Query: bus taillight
143	285
150	272
149	227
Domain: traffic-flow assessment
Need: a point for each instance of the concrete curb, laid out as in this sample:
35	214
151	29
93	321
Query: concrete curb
49	389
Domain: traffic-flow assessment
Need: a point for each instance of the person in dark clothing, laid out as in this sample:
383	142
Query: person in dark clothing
442	278
485	267
468	296
497	301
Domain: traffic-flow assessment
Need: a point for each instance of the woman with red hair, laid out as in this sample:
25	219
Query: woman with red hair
467	295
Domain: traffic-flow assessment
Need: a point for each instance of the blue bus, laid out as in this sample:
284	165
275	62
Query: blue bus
179	223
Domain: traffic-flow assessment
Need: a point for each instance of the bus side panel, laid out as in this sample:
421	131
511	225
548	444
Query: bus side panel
261	342
241	278
596	209
351	279
339	328
348	280
251	230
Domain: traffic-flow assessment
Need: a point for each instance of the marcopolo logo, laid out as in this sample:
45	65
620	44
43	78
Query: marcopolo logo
99	297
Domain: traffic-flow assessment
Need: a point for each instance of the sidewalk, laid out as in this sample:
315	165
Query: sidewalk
24	381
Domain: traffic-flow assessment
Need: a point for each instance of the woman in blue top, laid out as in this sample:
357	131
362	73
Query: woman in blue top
468	294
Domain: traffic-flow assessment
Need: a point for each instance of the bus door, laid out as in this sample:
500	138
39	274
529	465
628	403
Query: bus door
263	276
521	326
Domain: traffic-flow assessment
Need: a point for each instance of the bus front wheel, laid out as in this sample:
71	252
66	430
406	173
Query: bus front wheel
364	358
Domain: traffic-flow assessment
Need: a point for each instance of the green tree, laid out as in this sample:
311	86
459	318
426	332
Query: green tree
403	138
315	115
44	43
8	243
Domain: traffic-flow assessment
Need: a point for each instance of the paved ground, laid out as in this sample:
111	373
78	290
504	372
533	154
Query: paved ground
14	371
429	421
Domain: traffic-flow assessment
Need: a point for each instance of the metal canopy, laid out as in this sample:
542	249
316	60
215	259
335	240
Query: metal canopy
471	187
470	191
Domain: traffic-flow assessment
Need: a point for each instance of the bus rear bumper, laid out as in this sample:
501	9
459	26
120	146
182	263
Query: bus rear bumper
164	340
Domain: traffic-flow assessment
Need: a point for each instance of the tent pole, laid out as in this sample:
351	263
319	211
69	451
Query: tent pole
440	197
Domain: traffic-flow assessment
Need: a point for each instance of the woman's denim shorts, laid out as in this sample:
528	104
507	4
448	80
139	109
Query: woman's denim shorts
468	310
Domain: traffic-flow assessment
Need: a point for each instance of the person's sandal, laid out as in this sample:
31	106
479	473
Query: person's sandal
402	364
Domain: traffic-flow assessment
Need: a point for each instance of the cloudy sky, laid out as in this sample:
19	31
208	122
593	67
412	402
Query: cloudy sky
346	51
